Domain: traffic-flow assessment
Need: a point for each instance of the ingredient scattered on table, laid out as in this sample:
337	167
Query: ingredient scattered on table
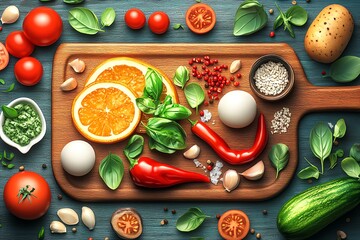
193	152
77	65
6	159
127	223
200	18
57	227
88	217
281	121
10	15
191	220
233	225
18	44
195	95
4	56
345	69
111	171
231	180
69	84
135	18
279	156
255	172
159	22
28	71
68	216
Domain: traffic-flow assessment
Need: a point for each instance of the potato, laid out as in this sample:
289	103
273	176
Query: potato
329	33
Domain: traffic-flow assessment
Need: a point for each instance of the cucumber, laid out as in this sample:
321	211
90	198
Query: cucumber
310	211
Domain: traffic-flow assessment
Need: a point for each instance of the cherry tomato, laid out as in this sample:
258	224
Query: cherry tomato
159	22
233	225
28	71
27	195
200	18
135	18
42	26
4	57
18	45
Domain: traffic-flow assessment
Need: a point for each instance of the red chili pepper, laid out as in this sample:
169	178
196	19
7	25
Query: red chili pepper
146	172
235	157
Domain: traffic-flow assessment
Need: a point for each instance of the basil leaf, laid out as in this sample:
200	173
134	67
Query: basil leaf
339	153
190	220
84	21
339	129
10	88
111	171
2	81
175	112
321	142
10	166
309	172
153	84
351	167
10	157
108	17
279	156
249	20
166	132
333	160
161	107
345	69
181	76
178	26
250	3
73	1
194	95
154	145
297	15
278	22
134	147
41	233
355	152
146	105
9	112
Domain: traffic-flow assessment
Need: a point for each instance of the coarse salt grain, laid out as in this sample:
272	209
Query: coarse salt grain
207	116
271	78
216	172
281	121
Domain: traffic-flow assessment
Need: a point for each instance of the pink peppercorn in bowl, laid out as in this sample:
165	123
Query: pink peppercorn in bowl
271	77
40	120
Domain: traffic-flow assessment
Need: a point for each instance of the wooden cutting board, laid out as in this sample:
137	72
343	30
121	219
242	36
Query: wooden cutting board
304	98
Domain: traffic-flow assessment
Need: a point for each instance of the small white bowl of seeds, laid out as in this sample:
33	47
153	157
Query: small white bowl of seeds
271	77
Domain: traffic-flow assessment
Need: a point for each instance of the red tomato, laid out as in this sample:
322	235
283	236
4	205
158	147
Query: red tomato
18	45
28	71
200	18
159	22
135	18
42	26
4	57
27	195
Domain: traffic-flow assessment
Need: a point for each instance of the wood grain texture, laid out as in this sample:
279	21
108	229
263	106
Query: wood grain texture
168	57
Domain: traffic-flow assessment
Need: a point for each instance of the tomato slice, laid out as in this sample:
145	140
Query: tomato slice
200	18
233	225
127	223
4	57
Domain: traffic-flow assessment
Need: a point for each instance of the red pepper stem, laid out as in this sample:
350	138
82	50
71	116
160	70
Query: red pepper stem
192	122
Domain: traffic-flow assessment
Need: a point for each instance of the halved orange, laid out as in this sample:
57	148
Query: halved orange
129	72
105	112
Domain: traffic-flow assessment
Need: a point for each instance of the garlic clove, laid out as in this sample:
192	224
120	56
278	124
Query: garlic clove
10	15
255	172
68	216
69	84
235	66
77	65
192	152
88	217
57	227
231	180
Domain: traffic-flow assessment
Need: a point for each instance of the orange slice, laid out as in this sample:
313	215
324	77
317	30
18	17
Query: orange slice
105	112
129	72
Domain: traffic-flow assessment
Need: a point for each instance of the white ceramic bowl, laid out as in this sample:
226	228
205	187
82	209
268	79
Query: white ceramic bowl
7	140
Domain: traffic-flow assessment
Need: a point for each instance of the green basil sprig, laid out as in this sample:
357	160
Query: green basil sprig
190	220
111	171
355	152
345	69
351	167
73	1
146	105
154	145
182	75
295	15
250	17
134	147
339	129
309	172
41	234
279	156
84	21
9	112
108	17
10	88
194	95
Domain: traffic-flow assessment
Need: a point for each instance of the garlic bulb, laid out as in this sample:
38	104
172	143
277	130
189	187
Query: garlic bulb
255	172
57	227
10	15
88	217
68	216
231	180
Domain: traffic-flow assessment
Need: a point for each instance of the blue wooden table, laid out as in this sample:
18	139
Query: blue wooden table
152	212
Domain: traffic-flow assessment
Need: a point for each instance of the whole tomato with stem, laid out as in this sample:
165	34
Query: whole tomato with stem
28	71
159	22
18	45
27	195
135	18
43	26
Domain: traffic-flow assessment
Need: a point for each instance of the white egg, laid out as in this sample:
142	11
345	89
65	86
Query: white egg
78	158
237	109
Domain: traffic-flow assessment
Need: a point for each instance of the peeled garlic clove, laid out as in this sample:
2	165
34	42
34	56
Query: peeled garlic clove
69	84
192	152
88	217
57	227
255	172
10	15
68	216
78	65
235	66
231	180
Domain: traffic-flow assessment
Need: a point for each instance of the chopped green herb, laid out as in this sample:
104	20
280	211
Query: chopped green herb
2	81
178	26
10	166
41	233
10	88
